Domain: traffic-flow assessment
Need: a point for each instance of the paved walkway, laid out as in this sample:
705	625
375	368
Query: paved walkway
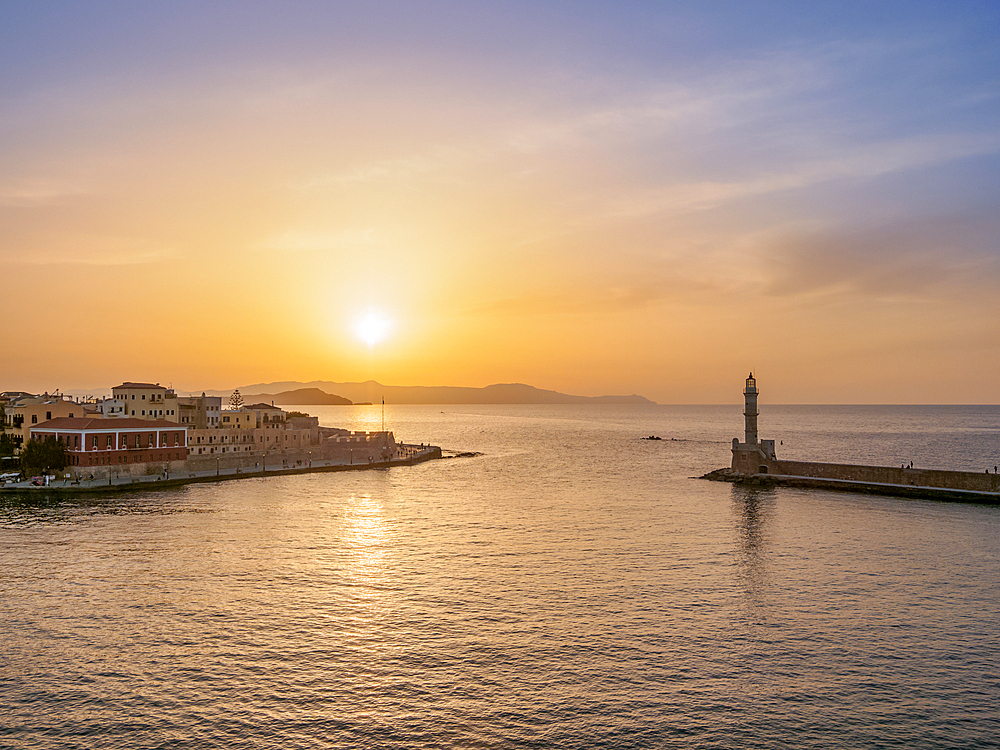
406	456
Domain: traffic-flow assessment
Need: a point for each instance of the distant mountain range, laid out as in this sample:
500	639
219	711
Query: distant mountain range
298	397
290	393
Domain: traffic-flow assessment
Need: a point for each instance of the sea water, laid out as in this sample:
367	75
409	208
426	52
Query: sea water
573	586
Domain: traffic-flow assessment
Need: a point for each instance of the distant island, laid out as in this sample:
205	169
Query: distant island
299	394
301	397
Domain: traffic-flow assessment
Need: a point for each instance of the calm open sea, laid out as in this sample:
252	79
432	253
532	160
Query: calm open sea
572	587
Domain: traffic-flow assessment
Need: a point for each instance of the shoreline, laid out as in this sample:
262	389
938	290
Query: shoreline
69	488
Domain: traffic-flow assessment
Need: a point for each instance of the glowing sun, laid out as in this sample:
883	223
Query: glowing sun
372	327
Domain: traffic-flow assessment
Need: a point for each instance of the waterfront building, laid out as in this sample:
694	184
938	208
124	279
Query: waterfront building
147	401
115	442
199	412
271	438
305	422
8	396
21	414
267	415
207	441
111	408
242	418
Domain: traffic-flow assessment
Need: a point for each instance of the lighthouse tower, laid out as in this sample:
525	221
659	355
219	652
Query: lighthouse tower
750	410
752	456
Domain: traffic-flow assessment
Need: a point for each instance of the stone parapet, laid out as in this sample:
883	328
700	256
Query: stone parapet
952	480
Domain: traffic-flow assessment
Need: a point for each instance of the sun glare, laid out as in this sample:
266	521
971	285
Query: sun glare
372	327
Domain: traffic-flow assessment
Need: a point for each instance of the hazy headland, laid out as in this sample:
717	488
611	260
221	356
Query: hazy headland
326	392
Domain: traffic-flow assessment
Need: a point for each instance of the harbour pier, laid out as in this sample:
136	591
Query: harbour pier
755	462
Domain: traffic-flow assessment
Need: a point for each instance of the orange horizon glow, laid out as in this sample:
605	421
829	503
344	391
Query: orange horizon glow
626	209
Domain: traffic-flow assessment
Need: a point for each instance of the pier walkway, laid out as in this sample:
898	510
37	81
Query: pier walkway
913	491
408	456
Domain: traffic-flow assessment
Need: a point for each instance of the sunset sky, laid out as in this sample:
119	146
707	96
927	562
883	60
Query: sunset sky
590	197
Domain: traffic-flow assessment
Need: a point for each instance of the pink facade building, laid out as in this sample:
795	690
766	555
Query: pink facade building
116	442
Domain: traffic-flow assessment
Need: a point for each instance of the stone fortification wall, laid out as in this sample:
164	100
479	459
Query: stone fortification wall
953	480
356	448
250	461
148	469
359	448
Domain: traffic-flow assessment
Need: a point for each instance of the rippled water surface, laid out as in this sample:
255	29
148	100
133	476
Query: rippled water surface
571	587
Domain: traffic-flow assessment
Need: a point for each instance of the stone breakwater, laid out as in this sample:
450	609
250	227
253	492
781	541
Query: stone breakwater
172	478
884	480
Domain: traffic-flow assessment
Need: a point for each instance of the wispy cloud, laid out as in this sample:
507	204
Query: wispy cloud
38	193
929	258
598	300
108	252
777	122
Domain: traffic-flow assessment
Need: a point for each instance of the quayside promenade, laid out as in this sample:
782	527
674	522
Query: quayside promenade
406	455
755	463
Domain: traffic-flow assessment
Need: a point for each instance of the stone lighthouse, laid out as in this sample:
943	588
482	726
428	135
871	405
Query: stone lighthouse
750	410
752	456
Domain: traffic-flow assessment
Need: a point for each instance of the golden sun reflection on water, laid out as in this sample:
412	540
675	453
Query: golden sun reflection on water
367	541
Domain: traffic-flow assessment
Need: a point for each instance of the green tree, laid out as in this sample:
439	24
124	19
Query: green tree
43	455
7	445
8	449
236	400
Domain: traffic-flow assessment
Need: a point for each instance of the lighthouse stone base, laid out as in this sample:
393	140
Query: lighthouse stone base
755	458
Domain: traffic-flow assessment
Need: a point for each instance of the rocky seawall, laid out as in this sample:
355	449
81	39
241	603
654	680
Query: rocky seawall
930	484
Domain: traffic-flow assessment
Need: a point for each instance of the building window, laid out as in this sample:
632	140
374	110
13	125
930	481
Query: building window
48	415
95	443
34	419
109	441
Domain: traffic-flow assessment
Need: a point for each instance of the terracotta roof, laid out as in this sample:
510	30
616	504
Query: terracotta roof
138	385
87	423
